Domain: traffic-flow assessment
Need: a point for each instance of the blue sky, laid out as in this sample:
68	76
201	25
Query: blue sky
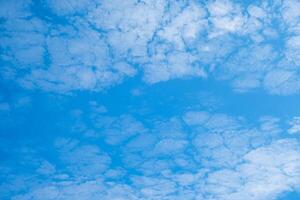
149	100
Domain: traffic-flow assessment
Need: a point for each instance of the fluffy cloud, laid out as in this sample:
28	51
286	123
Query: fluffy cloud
92	45
198	155
75	47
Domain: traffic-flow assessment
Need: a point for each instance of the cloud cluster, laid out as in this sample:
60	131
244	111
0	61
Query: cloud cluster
92	45
198	155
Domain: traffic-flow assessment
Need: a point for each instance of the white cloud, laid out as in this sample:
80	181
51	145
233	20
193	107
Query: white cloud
256	11
223	39
186	25
169	146
199	155
82	160
294	126
196	118
117	130
46	168
282	82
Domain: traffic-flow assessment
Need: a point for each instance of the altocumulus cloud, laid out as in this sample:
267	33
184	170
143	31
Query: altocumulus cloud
92	45
140	146
203	156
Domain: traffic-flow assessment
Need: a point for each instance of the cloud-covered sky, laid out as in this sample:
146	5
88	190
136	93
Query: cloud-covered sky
149	100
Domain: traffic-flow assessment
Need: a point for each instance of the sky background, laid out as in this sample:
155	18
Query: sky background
149	100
